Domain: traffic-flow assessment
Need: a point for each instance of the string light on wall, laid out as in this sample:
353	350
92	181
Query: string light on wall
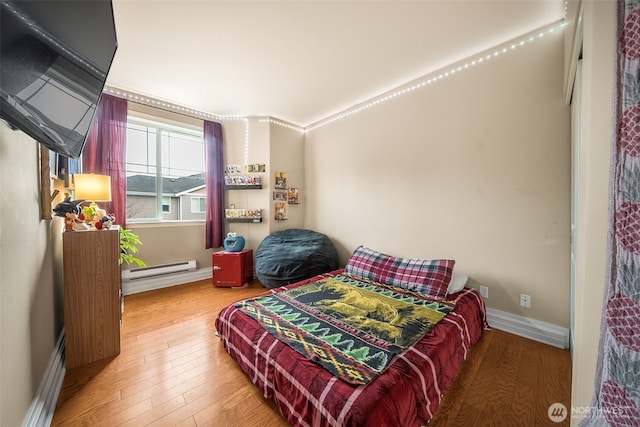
281	123
244	119
161	104
410	87
232	117
246	141
182	110
402	90
185	111
190	111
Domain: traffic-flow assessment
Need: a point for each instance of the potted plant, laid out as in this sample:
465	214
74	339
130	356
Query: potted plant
129	242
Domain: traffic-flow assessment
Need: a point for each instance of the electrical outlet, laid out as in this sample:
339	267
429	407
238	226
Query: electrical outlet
484	291
525	300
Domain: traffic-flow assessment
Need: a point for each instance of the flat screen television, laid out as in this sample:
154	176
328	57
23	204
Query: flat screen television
55	57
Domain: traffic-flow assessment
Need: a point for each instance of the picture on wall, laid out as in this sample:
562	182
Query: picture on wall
281	180
279	195
62	167
293	195
232	169
256	167
280	211
242	180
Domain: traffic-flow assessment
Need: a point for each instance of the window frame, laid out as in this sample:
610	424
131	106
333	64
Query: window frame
163	127
203	202
168	198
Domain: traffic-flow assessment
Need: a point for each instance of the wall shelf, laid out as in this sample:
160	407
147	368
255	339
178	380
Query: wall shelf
243	187
243	219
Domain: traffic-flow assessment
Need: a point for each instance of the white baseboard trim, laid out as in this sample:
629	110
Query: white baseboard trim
536	330
157	282
41	410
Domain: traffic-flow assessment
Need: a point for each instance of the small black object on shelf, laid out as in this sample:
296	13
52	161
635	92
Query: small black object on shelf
247	219
243	187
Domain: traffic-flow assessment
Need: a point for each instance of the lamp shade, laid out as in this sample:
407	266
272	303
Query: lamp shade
92	187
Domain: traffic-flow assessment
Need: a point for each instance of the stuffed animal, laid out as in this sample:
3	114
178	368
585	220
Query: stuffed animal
69	221
68	206
105	221
79	224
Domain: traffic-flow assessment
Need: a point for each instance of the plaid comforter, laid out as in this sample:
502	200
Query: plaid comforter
407	393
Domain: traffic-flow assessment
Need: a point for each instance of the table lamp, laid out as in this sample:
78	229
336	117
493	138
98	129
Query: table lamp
93	188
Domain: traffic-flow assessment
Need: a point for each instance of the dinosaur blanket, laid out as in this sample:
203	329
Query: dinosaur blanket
351	327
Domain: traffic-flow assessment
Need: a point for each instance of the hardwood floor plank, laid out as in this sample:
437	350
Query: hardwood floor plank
181	386
211	398
496	384
155	413
236	408
173	370
497	370
189	422
105	415
159	376
454	402
165	382
80	400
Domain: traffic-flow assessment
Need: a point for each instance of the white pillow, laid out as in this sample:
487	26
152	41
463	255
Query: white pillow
457	283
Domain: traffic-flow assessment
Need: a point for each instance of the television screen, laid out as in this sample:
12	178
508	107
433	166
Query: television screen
55	57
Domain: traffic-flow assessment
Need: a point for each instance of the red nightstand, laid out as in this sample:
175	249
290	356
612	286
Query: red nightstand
232	269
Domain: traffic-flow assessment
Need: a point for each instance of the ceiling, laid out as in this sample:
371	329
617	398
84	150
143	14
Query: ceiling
302	61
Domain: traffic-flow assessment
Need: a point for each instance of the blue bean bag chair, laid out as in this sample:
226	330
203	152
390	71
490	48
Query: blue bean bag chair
289	256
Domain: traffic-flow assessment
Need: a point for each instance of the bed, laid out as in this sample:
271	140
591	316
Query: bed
318	388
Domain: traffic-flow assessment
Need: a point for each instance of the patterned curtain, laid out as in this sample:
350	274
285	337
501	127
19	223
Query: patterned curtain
105	149
214	185
617	398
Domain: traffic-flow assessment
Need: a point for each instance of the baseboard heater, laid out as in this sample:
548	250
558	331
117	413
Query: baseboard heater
158	270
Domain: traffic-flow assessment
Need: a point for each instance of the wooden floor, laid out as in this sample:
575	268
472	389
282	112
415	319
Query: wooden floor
173	370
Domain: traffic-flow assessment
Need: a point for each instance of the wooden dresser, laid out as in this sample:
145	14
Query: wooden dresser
92	295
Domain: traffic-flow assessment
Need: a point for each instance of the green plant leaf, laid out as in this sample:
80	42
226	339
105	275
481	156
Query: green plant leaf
129	242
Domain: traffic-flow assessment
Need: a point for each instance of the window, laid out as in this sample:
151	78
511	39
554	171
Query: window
166	204
164	166
197	205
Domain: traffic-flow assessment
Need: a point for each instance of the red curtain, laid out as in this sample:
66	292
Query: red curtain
105	149
214	185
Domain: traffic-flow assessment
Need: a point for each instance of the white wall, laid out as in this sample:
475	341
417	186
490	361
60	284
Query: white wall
287	155
163	243
238	150
31	314
474	167
281	149
593	210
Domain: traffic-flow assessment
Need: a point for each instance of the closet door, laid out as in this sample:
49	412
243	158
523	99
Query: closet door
576	105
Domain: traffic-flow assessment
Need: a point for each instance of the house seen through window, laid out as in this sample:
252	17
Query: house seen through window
165	172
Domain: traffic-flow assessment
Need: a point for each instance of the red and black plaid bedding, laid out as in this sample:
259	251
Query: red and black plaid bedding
407	393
